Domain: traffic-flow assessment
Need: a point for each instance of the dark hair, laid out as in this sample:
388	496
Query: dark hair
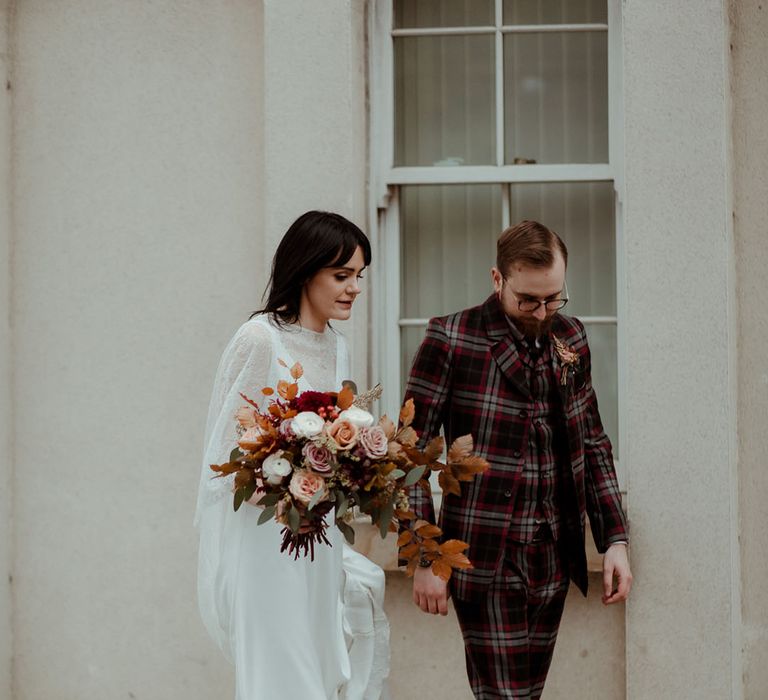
528	242
315	240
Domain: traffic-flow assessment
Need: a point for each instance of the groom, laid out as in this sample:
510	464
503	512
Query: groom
515	374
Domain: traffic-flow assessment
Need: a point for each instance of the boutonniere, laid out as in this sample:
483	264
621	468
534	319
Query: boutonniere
569	358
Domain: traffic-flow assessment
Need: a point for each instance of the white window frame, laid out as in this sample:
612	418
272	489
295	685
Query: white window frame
385	180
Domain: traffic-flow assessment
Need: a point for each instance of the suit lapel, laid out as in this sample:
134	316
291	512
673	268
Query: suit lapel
503	347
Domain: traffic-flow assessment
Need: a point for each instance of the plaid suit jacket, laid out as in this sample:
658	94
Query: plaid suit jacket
468	378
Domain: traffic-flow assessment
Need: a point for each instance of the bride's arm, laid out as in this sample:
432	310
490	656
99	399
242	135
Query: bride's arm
244	368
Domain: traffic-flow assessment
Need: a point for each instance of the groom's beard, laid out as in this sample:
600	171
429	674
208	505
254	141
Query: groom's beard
532	327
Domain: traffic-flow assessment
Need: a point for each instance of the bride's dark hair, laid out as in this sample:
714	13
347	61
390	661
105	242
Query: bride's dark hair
315	240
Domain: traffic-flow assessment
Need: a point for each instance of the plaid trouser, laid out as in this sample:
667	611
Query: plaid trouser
509	636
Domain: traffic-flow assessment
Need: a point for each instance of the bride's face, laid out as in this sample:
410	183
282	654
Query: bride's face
329	295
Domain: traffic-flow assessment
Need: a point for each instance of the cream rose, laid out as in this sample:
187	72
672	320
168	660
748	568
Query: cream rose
307	424
343	433
357	416
251	439
275	468
305	484
374	442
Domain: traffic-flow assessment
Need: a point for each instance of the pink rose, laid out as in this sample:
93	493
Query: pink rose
286	430
374	442
344	433
305	484
317	457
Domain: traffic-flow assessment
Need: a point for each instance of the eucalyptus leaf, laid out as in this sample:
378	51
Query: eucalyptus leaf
235	455
294	520
341	508
250	489
347	531
270	499
414	475
316	498
385	519
239	498
396	473
267	514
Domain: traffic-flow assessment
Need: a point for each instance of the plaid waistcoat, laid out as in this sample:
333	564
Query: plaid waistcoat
468	377
538	486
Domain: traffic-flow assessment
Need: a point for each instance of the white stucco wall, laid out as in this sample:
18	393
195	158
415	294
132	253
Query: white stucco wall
750	155
139	201
6	524
683	621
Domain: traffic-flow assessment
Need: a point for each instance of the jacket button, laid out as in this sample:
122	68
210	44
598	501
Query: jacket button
508	494
517	454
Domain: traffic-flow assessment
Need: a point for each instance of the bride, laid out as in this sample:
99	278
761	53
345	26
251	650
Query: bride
294	629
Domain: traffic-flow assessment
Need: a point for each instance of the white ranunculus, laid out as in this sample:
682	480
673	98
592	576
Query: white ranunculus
307	424
357	416
276	467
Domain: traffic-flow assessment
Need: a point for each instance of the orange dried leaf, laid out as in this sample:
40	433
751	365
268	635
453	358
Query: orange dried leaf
282	362
430	547
429	530
457	561
405	514
420	523
460	448
407	437
441	569
297	370
434	449
410	550
405	537
387	426
407	412
453	547
449	483
275	411
345	398
411	568
468	467
267	391
293	389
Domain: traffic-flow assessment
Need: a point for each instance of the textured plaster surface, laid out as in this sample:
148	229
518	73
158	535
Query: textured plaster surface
138	200
750	154
681	421
6	453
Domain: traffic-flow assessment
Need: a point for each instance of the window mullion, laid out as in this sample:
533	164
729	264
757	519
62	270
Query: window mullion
499	86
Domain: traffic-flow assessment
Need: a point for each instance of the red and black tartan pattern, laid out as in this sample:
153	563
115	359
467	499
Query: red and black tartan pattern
509	635
468	377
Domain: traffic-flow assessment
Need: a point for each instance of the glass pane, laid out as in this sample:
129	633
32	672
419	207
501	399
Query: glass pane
605	377
582	215
555	11
448	245
443	13
444	100
556	97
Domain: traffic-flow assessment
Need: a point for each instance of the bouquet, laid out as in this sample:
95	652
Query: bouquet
315	456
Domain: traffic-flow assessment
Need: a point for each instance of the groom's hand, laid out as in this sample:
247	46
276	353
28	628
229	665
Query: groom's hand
430	592
616	565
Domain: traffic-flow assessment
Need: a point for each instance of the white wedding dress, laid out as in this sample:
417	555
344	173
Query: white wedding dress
295	629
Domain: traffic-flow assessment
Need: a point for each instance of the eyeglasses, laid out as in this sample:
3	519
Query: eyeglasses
531	305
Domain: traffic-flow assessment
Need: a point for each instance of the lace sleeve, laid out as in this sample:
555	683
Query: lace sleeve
244	367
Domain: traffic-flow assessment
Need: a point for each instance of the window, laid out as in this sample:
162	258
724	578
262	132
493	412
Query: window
484	113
